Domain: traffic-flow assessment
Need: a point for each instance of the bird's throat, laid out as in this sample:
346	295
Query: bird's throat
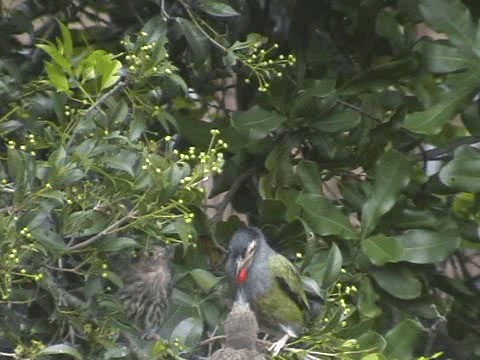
242	276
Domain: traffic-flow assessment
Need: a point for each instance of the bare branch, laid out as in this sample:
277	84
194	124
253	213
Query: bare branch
109	230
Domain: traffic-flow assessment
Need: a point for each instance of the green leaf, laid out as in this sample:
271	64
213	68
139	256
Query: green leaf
367	298
398	282
272	211
16	165
403	339
156	29
60	349
57	195
257	123
441	58
66	40
332	267
373	357
392	174
416	246
309	176
138	125
339	121
381	249
57	78
195	38
463	172
111	244
217	8
9	126
411	219
116	352
425	247
120	113
324	218
125	161
204	279
373	341
188	331
51	240
307	102
57	57
450	17
432	120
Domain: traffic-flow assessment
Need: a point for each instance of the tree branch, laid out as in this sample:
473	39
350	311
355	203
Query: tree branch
109	230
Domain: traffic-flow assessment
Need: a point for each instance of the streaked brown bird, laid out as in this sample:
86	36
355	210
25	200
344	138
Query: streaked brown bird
147	289
241	329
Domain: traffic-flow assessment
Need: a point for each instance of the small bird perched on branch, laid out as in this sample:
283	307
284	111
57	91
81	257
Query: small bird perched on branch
269	282
241	333
147	289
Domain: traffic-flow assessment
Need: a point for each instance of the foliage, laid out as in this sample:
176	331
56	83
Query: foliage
349	143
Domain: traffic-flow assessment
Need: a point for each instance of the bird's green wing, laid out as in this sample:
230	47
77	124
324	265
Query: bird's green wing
289	278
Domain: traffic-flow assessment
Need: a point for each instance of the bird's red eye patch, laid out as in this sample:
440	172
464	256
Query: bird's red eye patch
242	276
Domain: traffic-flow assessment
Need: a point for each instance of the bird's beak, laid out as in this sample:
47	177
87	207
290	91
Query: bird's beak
243	263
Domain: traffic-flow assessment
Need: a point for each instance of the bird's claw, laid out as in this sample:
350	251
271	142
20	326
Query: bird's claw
277	346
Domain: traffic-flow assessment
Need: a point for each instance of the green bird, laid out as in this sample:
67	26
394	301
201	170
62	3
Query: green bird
269	282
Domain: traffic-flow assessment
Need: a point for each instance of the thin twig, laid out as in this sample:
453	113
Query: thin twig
95	107
11	355
359	110
212	40
164	12
109	230
267	344
212	339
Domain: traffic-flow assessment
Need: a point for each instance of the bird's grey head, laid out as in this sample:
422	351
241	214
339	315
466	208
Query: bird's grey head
246	245
155	258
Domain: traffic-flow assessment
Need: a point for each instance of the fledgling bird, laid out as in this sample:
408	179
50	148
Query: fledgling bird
241	330
269	282
147	289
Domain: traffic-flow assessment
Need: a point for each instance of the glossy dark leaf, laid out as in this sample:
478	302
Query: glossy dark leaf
441	58
432	120
398	282
310	176
452	18
332	267
188	331
403	339
195	38
324	218
217	8
392	173
60	349
463	172
257	123
342	120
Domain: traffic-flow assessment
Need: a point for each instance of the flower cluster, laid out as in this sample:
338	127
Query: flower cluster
28	145
263	66
146	58
35	346
204	163
168	349
340	296
13	269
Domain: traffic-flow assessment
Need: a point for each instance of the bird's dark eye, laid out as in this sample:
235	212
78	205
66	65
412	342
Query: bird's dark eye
150	253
